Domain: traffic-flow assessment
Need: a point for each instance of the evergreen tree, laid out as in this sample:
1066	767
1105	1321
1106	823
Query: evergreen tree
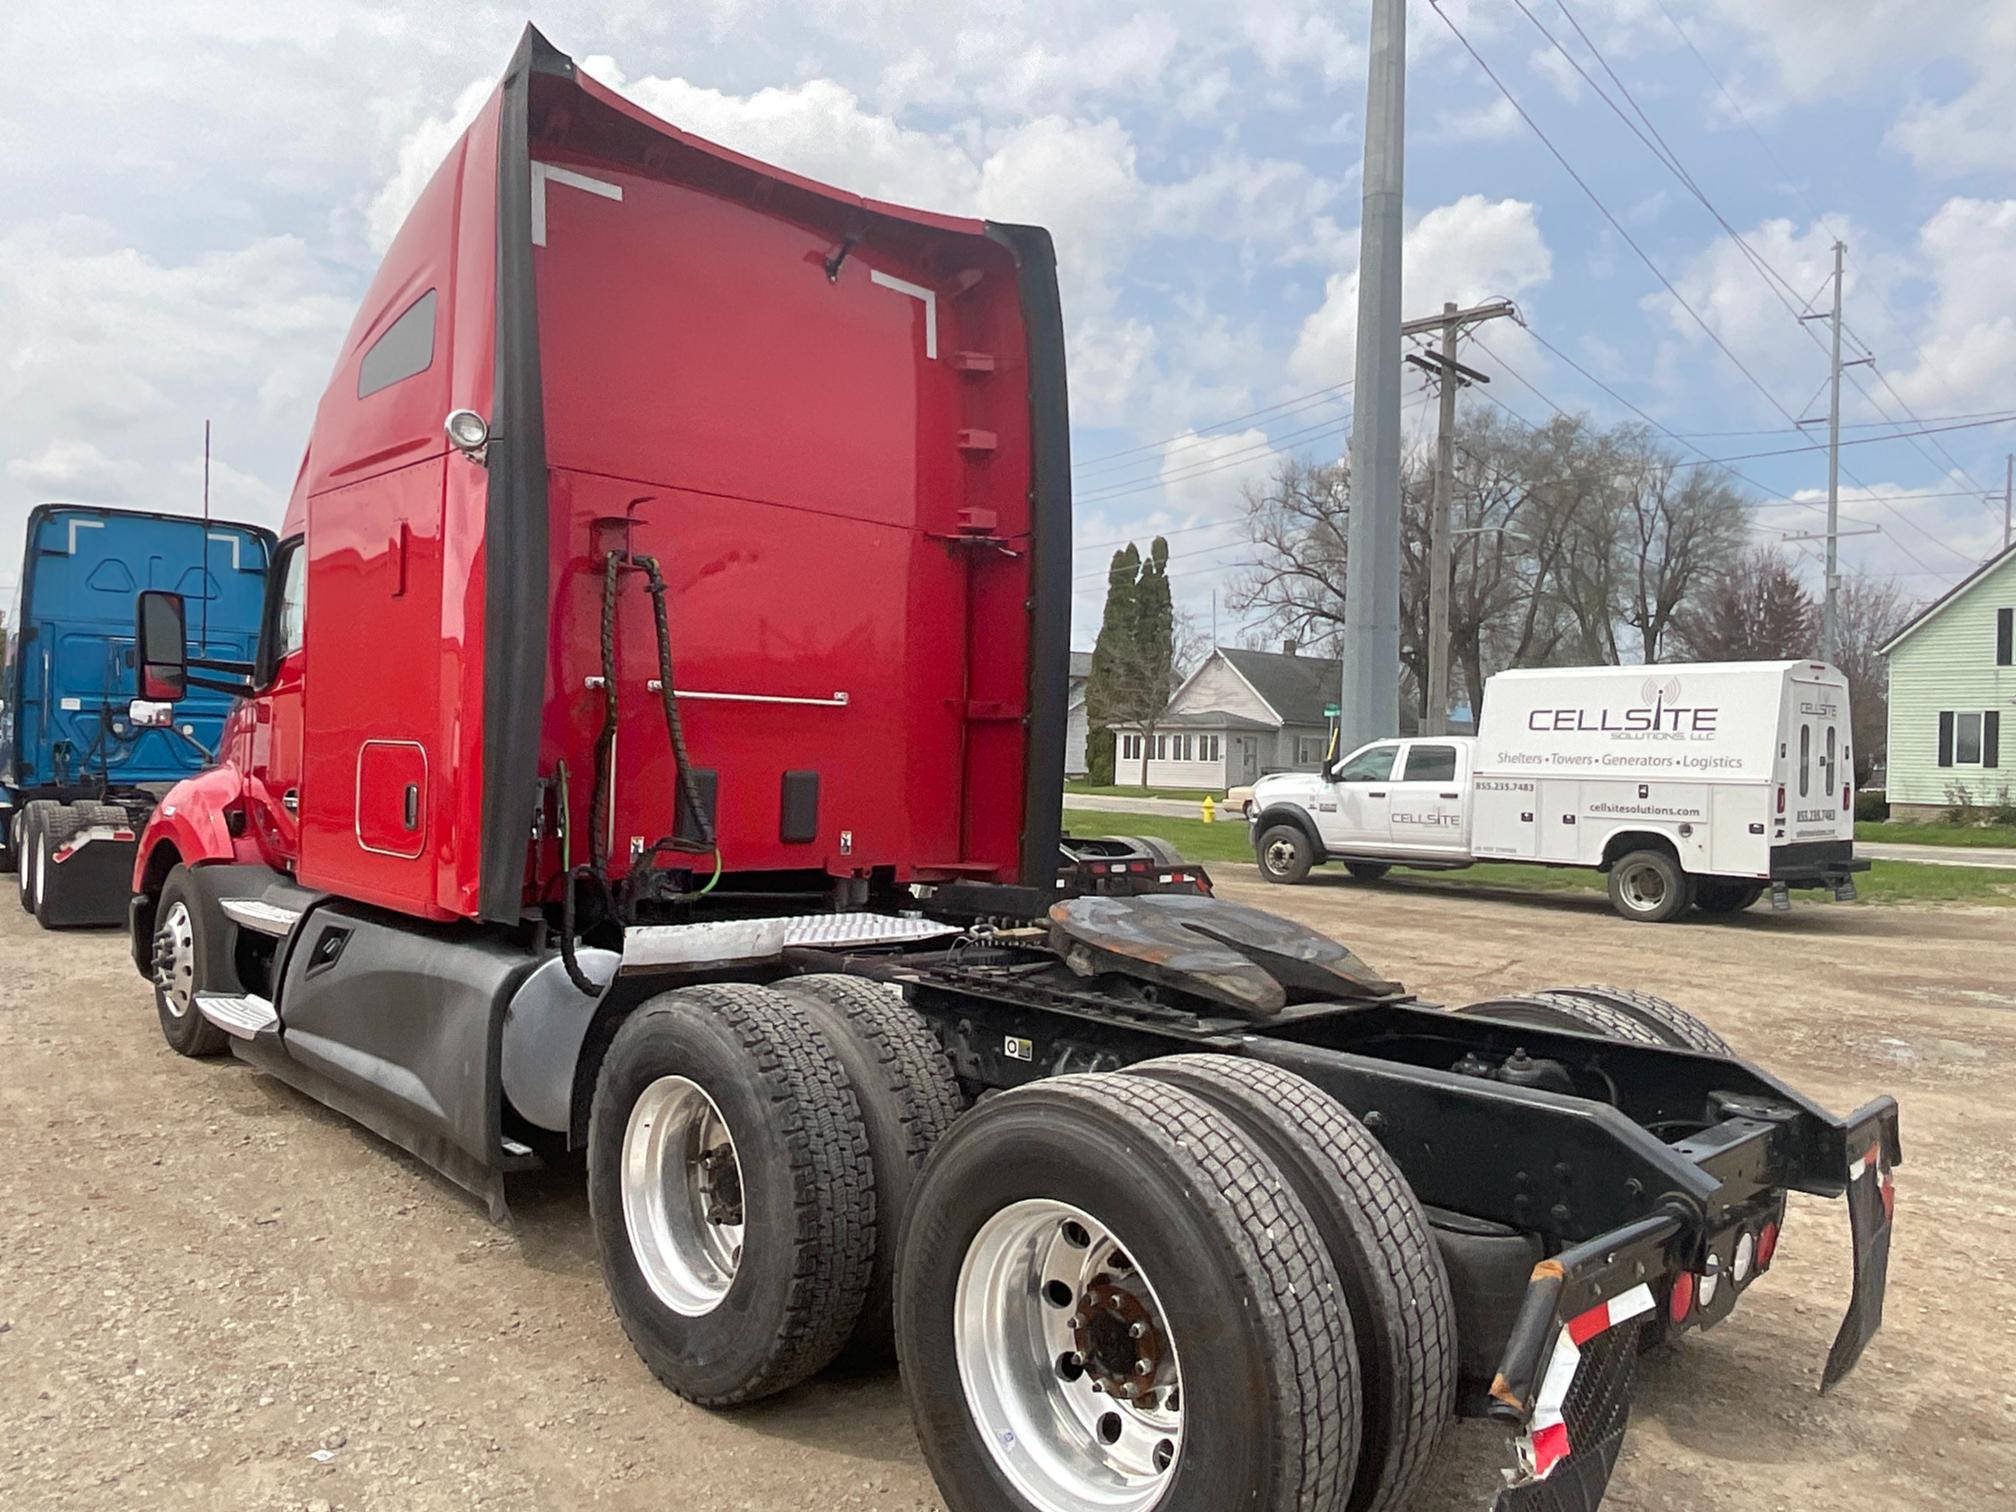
1133	658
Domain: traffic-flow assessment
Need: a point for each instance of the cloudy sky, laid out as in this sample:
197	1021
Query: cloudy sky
196	193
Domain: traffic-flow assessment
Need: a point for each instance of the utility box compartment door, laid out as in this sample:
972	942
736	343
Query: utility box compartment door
392	797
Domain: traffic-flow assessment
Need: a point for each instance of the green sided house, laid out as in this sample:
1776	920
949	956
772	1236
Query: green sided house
1952	678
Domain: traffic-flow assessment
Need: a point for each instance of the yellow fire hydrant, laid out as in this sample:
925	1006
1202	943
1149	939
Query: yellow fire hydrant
1210	809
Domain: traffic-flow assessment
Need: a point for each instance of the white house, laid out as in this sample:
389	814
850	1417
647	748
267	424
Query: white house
1077	726
1238	716
1952	674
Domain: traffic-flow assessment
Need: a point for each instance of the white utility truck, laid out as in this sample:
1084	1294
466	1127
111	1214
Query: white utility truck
1701	786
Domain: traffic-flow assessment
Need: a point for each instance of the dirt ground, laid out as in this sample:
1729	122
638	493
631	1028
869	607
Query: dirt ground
214	1294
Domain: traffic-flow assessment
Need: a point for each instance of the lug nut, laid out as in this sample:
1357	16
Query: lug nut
1077	1321
1130	1390
1137	1330
1142	1368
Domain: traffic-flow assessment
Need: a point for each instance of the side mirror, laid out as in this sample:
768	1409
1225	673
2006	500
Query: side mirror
162	635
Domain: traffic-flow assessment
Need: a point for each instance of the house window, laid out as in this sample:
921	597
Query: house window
1210	748
1130	747
1967	739
1161	747
406	347
1309	749
2005	637
1970	737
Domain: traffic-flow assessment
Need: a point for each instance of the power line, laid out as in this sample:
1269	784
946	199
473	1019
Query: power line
1616	224
1196	433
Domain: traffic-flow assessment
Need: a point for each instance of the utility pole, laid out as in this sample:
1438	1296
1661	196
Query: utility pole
1370	697
1452	375
1830	612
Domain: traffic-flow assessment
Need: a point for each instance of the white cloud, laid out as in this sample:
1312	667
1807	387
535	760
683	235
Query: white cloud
1969	333
419	155
1466	251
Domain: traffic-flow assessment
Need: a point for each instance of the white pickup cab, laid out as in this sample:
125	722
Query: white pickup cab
1691	786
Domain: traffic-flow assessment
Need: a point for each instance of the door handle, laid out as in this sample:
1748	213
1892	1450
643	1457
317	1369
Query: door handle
291	800
1448	795
1379	793
412	814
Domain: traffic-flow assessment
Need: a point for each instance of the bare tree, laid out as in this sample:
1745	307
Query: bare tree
1300	522
1870	612
1683	528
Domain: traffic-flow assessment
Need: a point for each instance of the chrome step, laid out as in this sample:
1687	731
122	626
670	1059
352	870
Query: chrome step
241	1014
740	941
258	914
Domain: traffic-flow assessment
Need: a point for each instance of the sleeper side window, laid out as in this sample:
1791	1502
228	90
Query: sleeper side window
402	349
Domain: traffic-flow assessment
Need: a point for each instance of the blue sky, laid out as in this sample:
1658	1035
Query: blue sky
196	193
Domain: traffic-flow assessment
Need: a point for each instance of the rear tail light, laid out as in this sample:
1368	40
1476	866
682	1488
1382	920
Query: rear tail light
1781	797
1767	1244
1847	797
1680	1301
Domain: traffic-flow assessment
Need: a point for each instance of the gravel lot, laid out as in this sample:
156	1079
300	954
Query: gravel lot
214	1294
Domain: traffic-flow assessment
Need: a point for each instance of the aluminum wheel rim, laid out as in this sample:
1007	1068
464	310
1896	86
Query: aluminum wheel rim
1637	895
41	866
175	958
1053	1322
682	1195
1280	856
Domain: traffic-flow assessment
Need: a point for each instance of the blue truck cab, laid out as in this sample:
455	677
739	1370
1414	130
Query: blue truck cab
82	760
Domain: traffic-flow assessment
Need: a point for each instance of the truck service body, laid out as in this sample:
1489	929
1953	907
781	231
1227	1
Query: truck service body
82	766
1690	784
664	766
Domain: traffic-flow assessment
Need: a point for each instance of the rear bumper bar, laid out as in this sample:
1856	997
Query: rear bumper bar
1565	1380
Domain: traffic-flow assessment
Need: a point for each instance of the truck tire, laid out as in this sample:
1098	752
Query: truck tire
1285	853
180	960
1018	1296
1649	887
908	1096
1717	897
730	1191
1562	1010
25	822
1673	1024
1368	871
1387	1258
52	829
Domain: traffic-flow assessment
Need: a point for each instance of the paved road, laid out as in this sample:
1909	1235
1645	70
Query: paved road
1935	855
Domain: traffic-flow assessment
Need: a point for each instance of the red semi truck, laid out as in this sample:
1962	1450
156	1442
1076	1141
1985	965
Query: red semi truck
654	753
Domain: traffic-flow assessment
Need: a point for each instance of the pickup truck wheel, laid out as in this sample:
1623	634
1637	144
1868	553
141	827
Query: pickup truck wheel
908	1097
1110	1298
179	970
1649	887
1387	1258
1725	897
1284	853
52	828
1673	1024
731	1193
1367	871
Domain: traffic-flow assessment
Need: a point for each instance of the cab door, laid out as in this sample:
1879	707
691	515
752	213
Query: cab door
1425	808
1354	812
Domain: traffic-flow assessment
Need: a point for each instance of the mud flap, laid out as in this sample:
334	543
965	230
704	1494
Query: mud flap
1873	1149
1568	1454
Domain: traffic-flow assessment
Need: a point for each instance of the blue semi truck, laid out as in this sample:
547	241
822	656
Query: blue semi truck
82	758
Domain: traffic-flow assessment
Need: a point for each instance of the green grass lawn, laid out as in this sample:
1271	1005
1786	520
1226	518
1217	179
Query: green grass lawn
1885	882
1076	785
1897	833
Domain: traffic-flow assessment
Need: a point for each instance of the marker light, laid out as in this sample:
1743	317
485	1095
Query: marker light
1767	1245
1680	1301
468	431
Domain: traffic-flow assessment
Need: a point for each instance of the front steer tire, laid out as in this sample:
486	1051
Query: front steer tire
182	961
1387	1258
1254	1319
803	1188
1285	853
908	1098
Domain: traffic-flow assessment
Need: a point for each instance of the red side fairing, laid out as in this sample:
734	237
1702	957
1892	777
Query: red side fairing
191	820
814	414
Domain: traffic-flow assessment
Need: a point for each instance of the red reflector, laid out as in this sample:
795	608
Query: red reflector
1680	1301
63	853
1781	797
1767	1245
122	834
1889	1198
